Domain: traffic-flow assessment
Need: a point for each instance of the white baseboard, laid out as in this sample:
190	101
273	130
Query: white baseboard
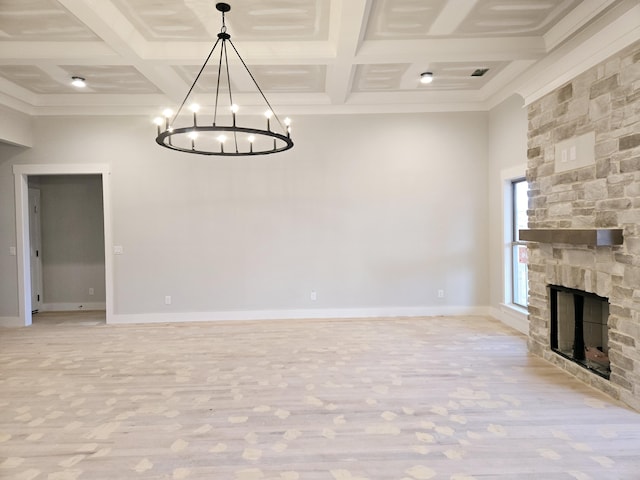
512	316
71	307
296	314
11	322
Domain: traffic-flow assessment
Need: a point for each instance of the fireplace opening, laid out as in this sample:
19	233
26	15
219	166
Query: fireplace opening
579	329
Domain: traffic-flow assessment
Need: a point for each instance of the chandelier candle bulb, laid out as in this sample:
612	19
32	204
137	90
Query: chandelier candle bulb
193	136
221	139
195	108
176	133
268	114
287	123
167	115
158	121
234	110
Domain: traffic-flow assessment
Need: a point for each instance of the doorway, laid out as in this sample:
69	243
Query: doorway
68	261
22	174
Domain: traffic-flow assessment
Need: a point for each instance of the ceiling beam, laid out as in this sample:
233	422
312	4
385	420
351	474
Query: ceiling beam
352	21
451	16
56	53
256	53
451	50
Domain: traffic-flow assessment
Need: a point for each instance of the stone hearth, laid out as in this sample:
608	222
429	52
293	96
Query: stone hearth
593	121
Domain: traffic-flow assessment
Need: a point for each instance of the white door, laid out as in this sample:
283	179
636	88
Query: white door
35	249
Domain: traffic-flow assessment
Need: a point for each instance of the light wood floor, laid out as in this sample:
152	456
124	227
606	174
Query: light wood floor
400	399
70	319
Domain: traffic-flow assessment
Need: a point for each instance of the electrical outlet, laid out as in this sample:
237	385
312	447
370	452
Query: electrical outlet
313	296
91	291
440	293
167	300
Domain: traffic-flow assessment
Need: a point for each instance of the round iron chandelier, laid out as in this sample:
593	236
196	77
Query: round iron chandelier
224	136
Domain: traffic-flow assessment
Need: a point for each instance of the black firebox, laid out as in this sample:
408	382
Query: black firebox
579	329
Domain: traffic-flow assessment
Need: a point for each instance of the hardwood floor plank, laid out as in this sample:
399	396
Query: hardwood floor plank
397	398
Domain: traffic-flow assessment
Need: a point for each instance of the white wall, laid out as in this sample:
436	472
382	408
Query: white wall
373	212
508	126
72	241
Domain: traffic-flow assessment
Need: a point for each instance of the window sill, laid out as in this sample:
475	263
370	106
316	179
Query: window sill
515	308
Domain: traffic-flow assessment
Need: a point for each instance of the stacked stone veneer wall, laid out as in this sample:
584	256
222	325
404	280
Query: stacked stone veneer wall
605	194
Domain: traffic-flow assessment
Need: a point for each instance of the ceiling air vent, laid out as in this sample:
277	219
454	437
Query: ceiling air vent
478	72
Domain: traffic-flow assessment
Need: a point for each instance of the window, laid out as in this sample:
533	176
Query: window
519	274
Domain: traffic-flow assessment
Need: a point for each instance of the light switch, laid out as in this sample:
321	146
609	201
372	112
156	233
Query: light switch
12	251
118	250
575	152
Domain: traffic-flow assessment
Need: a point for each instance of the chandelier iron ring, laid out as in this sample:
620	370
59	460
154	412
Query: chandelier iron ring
164	139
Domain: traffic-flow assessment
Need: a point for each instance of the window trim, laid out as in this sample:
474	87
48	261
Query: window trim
515	240
506	177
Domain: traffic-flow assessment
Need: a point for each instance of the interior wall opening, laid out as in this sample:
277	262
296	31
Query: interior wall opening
67	248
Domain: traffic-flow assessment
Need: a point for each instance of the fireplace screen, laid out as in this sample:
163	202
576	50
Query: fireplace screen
579	328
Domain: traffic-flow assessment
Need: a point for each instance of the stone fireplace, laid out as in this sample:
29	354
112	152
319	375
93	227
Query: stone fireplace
584	212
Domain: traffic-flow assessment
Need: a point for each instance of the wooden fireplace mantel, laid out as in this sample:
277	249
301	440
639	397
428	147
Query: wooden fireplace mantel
598	237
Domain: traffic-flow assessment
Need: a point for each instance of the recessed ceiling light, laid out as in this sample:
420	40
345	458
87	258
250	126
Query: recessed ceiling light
78	82
426	77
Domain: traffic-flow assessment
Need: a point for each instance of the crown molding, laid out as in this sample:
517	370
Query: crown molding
610	34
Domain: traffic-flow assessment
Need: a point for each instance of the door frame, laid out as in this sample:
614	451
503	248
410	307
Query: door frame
21	174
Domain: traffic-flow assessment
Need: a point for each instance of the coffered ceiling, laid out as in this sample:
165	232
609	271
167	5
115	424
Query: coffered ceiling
324	55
